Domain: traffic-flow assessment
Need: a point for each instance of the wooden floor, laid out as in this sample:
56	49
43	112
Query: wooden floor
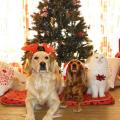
104	112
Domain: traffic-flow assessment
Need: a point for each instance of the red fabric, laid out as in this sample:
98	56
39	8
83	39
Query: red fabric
48	48
14	97
0	98
108	99
88	100
119	44
31	48
34	48
17	98
117	55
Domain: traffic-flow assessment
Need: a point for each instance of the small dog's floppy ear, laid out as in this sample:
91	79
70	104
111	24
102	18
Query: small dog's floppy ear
84	75
52	57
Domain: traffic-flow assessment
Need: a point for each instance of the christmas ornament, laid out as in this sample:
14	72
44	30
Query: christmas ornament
75	2
44	12
80	34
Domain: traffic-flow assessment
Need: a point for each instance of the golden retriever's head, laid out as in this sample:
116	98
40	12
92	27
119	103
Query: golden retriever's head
75	66
42	61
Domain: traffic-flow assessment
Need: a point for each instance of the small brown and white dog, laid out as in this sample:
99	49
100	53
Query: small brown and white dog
76	82
43	85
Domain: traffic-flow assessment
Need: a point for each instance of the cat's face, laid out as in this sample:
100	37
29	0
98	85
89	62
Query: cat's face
99	58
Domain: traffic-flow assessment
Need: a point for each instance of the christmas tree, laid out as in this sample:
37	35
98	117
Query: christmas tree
60	24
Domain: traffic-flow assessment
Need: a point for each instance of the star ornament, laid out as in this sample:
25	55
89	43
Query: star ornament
100	77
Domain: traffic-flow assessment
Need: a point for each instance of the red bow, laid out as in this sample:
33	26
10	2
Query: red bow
100	77
117	55
34	47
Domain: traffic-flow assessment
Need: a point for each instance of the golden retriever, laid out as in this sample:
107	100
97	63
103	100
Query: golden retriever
44	85
76	81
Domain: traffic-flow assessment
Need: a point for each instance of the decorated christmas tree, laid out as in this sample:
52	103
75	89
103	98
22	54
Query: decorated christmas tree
60	24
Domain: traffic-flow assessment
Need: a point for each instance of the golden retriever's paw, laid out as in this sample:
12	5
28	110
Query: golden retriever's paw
63	106
29	117
47	117
57	115
77	110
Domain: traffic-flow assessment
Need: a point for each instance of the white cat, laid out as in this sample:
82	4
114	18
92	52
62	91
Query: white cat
97	75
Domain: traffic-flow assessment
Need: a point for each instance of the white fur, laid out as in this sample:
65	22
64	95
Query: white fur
97	65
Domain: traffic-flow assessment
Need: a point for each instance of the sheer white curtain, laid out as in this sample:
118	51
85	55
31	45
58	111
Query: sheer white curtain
104	21
11	30
32	7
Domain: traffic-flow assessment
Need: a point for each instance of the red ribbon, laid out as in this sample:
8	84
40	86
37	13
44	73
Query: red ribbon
100	77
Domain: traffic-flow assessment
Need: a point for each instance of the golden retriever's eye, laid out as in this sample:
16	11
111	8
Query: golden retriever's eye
36	58
46	57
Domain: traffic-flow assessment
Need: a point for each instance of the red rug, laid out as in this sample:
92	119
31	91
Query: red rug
88	100
17	98
14	98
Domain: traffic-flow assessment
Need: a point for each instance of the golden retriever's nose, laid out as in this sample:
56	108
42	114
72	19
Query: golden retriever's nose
42	66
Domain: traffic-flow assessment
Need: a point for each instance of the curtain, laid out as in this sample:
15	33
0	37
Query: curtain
104	21
11	30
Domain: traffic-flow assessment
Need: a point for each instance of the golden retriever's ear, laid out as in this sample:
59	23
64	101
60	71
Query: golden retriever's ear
52	57
29	55
27	62
53	63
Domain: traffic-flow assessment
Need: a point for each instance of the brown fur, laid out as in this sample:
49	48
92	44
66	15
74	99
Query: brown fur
76	82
